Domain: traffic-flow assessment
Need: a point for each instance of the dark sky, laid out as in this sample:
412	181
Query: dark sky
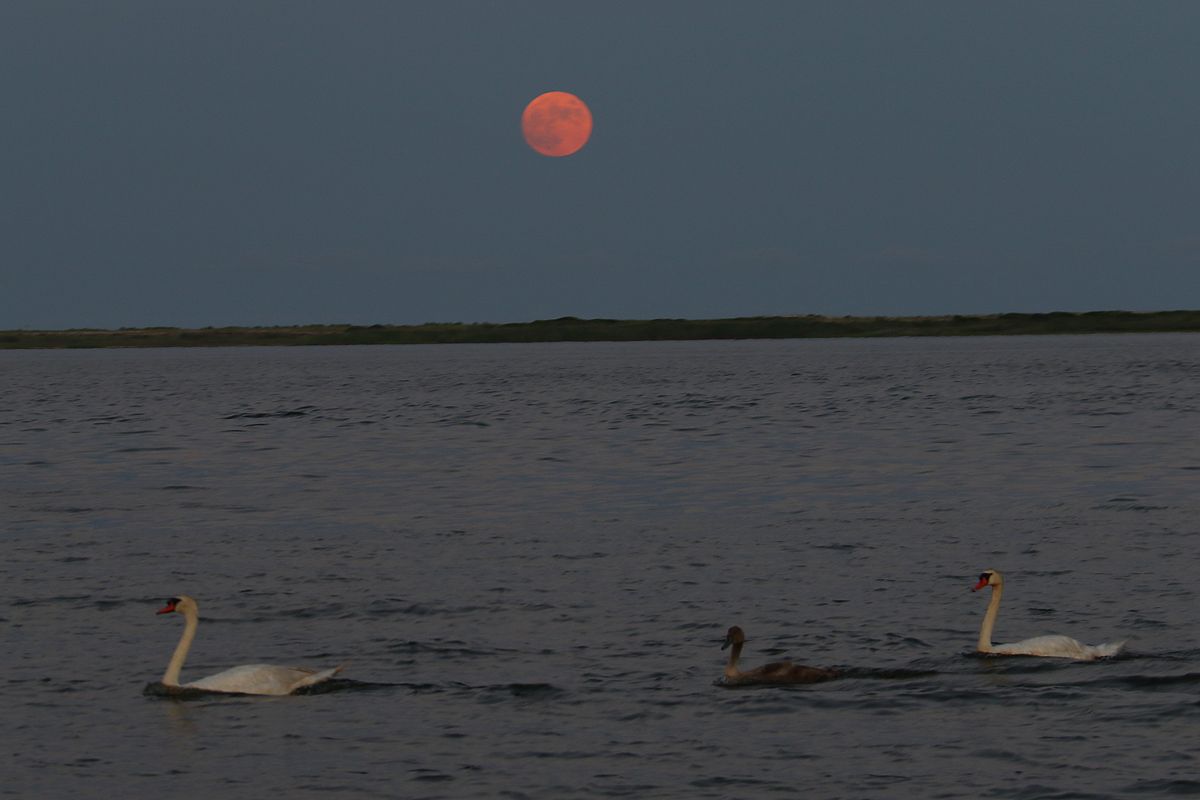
261	163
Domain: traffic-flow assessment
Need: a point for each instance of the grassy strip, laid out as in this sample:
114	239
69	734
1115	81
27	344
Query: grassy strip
573	329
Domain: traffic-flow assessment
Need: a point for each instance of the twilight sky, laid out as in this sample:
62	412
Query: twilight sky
262	162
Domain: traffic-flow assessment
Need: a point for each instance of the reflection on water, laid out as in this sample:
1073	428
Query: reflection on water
180	722
528	556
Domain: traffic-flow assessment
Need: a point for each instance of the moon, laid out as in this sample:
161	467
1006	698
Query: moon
556	124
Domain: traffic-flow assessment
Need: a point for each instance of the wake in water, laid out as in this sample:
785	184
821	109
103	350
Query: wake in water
893	674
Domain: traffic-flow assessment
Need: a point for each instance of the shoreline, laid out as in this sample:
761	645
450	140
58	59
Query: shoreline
574	329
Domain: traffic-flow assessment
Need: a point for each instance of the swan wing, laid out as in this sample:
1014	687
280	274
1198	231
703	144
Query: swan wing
265	679
1058	647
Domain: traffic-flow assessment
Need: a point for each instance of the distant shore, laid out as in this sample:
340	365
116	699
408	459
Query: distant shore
573	329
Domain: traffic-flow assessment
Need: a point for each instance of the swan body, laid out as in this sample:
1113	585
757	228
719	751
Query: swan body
265	679
1046	646
777	672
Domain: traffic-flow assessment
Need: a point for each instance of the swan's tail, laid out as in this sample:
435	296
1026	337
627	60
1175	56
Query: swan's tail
1108	649
318	677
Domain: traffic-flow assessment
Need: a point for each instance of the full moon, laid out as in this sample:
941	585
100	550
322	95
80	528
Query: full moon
556	124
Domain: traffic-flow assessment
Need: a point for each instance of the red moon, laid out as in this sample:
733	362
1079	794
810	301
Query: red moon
556	124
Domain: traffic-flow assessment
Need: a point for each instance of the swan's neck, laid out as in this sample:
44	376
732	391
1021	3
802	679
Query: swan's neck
989	621
731	670
171	676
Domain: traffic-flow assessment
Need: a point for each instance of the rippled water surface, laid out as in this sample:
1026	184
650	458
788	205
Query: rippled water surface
527	556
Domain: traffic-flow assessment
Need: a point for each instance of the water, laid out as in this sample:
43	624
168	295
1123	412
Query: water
528	555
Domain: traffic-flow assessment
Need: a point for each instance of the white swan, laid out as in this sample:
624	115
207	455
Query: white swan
1049	646
246	679
774	673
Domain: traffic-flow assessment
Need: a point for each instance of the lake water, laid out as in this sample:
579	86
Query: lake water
527	556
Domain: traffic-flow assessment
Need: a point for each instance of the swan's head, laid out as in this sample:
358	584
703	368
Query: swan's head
734	636
989	577
180	605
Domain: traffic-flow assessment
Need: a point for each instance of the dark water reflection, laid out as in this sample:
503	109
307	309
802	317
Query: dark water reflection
529	555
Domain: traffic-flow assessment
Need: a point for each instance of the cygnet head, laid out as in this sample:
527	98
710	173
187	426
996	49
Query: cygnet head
180	605
989	577
734	636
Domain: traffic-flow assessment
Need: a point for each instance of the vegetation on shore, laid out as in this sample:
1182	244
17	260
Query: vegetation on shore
573	329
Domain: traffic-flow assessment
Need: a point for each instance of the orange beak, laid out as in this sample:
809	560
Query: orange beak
982	583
